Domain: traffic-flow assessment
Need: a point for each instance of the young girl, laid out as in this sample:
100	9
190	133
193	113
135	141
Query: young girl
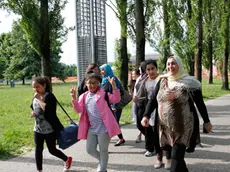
147	86
47	124
97	123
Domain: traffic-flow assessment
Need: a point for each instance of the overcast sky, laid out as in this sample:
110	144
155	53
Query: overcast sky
69	47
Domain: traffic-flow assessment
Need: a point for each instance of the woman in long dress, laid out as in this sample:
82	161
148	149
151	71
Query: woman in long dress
178	122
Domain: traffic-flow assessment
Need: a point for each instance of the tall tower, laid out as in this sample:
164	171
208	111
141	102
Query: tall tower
91	34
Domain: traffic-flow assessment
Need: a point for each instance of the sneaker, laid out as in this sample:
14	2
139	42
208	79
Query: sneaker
149	154
138	140
168	164
158	164
67	164
120	142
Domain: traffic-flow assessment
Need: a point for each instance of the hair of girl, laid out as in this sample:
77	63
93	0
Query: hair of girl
153	62
137	71
44	81
93	76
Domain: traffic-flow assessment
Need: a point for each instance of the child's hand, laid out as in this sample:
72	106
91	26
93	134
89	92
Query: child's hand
135	99
73	92
32	115
37	96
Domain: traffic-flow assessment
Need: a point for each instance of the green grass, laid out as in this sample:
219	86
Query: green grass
16	127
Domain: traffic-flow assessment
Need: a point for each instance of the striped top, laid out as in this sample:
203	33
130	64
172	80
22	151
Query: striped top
96	123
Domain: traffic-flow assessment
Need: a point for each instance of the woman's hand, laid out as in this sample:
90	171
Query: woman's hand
145	122
207	127
114	109
112	82
72	93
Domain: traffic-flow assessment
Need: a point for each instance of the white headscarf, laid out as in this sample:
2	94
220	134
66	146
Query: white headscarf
182	77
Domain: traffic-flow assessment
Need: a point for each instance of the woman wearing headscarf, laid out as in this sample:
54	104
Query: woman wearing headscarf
178	122
106	71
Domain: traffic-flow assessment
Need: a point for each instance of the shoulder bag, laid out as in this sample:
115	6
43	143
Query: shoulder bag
68	136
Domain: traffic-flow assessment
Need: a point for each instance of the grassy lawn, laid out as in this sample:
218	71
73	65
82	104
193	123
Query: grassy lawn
16	127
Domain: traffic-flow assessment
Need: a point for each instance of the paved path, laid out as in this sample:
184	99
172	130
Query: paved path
213	157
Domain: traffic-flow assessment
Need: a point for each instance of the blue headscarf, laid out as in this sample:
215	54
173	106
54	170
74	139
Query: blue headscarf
108	72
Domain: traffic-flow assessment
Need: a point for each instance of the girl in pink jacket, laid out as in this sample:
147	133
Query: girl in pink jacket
97	123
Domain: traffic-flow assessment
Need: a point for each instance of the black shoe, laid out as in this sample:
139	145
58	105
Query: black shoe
120	142
190	150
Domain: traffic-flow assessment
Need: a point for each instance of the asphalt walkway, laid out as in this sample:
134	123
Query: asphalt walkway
213	157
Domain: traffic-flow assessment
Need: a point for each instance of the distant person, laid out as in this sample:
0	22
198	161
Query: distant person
97	123
135	75
11	83
178	122
106	71
47	124
92	68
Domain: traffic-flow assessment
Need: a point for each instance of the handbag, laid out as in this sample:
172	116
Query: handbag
125	98
68	136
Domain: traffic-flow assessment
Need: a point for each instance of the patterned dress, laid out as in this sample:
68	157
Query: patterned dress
175	117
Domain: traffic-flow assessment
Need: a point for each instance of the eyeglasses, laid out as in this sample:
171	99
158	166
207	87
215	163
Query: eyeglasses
92	83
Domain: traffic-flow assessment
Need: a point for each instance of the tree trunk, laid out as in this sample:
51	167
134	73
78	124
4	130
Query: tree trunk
140	35
46	69
225	85
123	44
191	52
210	78
198	60
166	47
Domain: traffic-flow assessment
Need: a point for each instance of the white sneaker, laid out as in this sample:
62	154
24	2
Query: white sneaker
149	154
138	140
158	164
168	165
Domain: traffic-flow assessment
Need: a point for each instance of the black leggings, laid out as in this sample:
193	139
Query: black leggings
51	144
178	163
117	115
150	133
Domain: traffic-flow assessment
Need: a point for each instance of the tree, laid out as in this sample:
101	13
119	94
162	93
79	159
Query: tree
43	24
166	20
2	55
24	61
120	9
198	59
226	19
5	53
140	32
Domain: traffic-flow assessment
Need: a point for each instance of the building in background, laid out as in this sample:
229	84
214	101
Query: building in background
91	34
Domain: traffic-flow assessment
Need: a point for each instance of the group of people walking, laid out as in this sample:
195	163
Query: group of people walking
164	107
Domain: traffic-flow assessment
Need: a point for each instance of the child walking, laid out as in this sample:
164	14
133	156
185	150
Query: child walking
97	123
47	124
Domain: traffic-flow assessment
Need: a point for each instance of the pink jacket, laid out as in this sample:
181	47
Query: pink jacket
106	114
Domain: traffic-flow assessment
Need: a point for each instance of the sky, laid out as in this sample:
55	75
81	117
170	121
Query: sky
69	47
